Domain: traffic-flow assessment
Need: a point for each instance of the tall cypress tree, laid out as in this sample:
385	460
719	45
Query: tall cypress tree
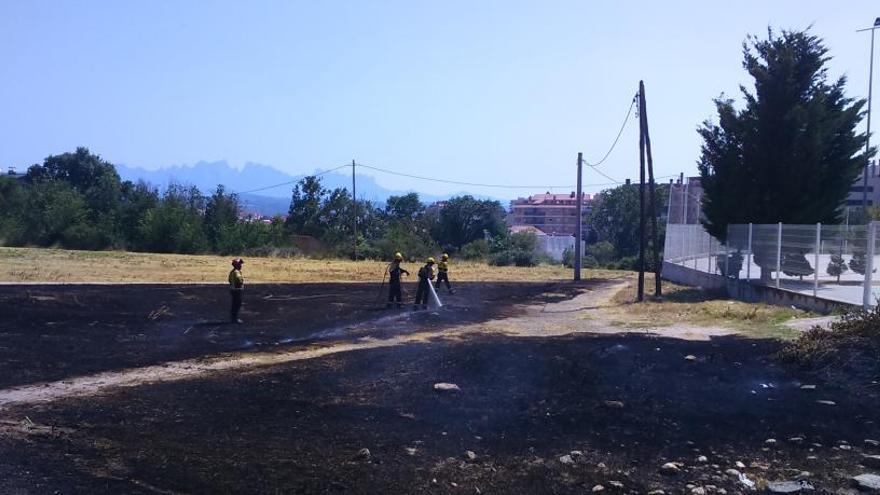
792	152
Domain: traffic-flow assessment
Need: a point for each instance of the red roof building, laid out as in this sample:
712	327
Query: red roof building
553	214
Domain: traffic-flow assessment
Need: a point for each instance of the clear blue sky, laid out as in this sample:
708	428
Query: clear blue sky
490	91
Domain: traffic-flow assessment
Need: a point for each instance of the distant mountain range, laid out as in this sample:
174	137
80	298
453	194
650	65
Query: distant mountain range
270	201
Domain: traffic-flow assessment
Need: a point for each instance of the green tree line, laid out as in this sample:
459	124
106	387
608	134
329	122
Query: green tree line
78	201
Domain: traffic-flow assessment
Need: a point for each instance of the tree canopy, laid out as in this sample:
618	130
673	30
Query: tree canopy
614	216
791	153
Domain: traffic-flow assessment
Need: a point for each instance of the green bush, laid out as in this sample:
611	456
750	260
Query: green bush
475	250
603	252
403	239
590	261
625	263
516	257
568	258
519	249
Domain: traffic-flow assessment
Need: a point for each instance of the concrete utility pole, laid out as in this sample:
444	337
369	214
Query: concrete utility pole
579	229
652	208
354	216
868	141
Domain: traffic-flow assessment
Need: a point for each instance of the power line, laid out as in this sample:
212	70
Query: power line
445	181
616	139
462	183
292	181
603	174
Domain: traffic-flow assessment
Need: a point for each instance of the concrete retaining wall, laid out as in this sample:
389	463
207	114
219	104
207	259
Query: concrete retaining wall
746	292
694	278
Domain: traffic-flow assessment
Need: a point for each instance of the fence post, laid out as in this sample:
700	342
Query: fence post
778	253
869	265
711	250
727	255
749	264
816	264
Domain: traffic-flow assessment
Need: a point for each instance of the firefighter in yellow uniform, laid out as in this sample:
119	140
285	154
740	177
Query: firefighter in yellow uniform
236	285
443	273
426	275
395	292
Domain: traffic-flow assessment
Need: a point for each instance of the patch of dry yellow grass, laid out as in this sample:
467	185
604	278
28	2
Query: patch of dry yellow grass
682	304
34	265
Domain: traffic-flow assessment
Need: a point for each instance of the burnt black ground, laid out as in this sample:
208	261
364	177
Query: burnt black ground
58	331
524	403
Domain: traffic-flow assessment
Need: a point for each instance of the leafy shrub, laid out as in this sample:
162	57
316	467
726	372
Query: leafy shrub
518	249
475	250
603	252
590	261
514	256
850	345
568	258
401	238
587	261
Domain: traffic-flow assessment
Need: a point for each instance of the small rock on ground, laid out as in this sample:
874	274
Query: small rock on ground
868	482
789	487
670	468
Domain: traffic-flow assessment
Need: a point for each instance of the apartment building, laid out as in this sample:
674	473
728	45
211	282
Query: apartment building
553	214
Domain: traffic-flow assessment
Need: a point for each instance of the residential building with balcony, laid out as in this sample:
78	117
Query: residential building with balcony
553	214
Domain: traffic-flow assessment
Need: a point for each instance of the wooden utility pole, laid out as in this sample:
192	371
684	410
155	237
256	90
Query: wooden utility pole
641	288
579	228
652	210
354	216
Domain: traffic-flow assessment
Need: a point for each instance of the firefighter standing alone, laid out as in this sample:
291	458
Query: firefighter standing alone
395	294
236	285
426	275
443	272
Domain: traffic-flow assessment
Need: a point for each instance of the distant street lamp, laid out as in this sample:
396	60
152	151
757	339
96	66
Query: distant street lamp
868	140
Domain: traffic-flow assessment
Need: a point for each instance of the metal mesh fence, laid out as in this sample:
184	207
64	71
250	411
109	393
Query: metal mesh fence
834	262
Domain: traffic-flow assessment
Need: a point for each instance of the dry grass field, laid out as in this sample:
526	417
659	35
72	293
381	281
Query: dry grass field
33	265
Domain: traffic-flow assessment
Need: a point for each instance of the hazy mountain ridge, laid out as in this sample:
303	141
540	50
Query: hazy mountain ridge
207	175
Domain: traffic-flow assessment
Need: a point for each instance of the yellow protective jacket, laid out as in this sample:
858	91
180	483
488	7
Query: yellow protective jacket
236	280
442	266
426	272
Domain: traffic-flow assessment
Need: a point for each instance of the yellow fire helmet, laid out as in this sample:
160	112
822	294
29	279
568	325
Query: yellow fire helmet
398	257
444	257
431	259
